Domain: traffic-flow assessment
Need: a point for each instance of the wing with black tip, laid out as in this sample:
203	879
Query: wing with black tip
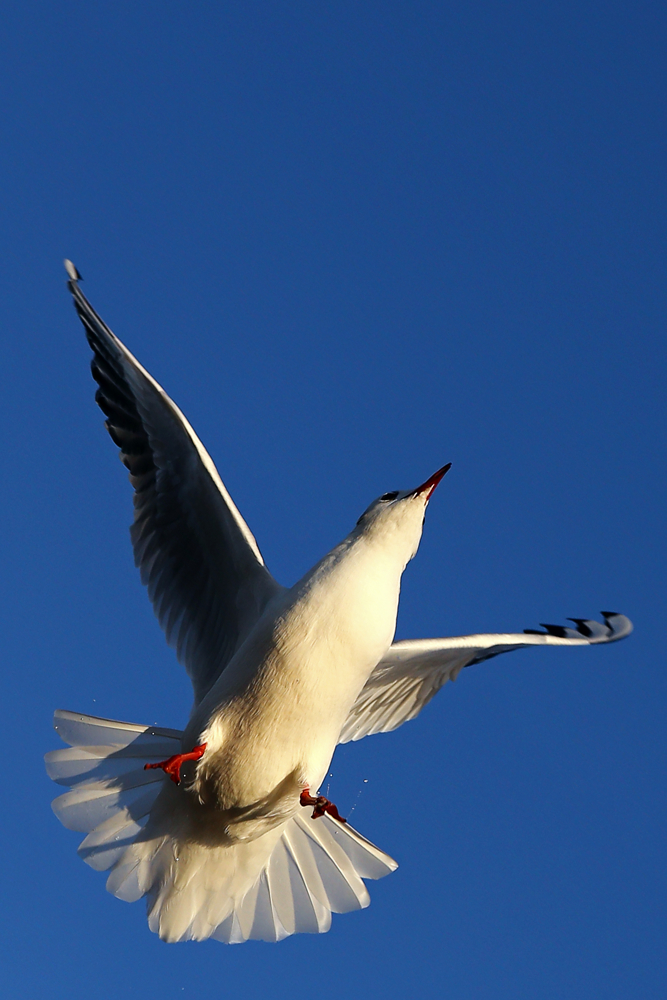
413	671
204	572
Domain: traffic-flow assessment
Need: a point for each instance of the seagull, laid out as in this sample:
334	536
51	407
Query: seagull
222	826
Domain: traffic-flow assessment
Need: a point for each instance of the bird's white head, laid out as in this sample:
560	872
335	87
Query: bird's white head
396	519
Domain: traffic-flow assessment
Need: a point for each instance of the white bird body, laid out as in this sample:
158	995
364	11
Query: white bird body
280	677
277	710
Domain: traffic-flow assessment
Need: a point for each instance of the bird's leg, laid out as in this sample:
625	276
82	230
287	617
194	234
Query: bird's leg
172	766
321	805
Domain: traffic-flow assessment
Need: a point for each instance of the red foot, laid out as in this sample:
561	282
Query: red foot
172	766
321	804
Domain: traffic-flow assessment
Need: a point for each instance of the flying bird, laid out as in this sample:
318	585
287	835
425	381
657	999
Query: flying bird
222	826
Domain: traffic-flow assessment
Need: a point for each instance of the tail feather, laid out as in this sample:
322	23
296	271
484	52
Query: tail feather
87	730
310	896
104	845
77	765
287	881
89	805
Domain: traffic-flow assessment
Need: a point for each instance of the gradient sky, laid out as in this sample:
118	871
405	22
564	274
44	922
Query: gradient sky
355	241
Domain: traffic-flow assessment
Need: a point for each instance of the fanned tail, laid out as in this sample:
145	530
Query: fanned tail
287	881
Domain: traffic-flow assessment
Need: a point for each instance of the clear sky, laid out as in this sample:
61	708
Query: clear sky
355	241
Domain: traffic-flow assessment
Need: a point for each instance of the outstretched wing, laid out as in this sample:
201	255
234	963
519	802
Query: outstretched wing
413	671
204	572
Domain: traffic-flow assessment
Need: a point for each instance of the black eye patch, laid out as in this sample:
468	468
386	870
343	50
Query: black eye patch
389	496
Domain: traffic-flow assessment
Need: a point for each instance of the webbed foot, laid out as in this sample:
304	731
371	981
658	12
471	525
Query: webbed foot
321	805
172	766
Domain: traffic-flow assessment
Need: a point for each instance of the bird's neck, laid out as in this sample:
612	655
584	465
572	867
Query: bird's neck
352	594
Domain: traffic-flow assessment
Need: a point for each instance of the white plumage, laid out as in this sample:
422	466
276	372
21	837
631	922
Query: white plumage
229	851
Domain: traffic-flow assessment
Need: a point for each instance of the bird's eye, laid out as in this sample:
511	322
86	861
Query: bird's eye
389	496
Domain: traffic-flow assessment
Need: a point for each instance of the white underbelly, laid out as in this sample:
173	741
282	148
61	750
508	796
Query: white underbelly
274	717
286	722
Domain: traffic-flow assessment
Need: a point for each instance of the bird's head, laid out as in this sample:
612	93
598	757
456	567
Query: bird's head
396	519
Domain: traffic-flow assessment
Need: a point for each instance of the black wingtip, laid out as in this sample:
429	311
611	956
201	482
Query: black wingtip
582	626
609	614
72	271
558	630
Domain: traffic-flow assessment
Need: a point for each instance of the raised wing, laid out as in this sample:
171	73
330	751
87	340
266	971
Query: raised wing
413	671
204	572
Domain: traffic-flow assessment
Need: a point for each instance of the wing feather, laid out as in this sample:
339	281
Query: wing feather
196	555
413	671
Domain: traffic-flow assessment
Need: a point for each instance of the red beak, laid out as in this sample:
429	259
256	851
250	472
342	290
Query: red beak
431	483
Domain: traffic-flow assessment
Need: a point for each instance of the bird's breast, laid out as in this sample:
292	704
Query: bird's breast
279	707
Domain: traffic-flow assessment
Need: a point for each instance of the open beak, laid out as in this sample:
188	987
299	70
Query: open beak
432	482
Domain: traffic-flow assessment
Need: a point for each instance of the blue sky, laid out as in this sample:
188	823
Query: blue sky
355	241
